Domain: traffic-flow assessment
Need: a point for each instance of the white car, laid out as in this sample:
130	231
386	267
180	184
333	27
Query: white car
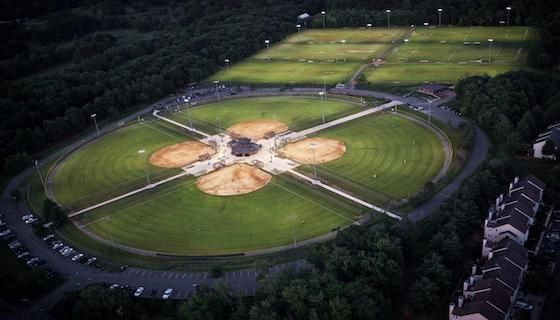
68	252
5	232
77	257
32	261
27	217
138	291
91	260
48	237
23	254
523	304
31	220
57	245
14	244
114	286
167	293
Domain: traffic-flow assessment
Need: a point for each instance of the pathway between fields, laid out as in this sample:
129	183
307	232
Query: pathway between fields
344	195
204	134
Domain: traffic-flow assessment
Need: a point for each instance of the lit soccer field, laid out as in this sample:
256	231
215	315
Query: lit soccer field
448	54
313	57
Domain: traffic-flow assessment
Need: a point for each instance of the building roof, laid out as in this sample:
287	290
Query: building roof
508	244
536	181
553	134
433	87
513	218
522	207
528	189
492	303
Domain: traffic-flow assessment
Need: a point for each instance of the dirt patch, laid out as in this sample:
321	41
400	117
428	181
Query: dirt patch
257	129
180	154
234	180
326	149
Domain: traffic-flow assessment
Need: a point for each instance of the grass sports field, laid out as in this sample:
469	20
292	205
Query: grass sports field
297	112
112	165
448	54
313	57
178	218
374	164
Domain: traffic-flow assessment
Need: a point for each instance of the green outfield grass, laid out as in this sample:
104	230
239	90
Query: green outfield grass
415	73
177	218
112	165
321	52
379	145
351	35
298	112
287	72
449	54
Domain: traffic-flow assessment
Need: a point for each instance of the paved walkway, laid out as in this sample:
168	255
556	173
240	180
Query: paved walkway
344	194
155	114
300	134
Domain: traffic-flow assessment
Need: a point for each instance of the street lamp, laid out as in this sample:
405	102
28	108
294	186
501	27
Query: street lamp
227	63
217	90
142	153
267	42
95	122
322	94
369	25
39	173
388	18
298	26
426	25
313	145
439	11
323	13
508	9
406	41
490	50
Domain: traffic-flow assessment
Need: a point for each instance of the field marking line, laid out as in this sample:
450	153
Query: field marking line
161	131
184	275
312	201
135	205
468	34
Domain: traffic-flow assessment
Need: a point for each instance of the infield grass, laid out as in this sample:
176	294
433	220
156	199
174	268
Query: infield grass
178	218
387	157
112	165
298	112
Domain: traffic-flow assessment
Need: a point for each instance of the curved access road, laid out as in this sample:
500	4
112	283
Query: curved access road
242	282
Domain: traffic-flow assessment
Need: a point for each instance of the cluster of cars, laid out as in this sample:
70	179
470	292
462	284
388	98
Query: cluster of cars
552	236
140	290
68	252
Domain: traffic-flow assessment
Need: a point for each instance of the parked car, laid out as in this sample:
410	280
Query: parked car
48	237
138	291
14	244
167	293
90	260
31	220
523	304
23	254
4	233
57	245
26	217
77	257
32	261
114	286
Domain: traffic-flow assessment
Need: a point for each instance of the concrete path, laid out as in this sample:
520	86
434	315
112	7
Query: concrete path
344	194
330	124
128	194
155	114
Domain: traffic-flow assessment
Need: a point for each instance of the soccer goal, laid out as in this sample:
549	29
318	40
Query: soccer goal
402	59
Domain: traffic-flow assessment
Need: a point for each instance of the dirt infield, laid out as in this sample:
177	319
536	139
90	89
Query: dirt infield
180	154
234	180
326	150
257	129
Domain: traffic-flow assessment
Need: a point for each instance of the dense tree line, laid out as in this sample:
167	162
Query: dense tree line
513	107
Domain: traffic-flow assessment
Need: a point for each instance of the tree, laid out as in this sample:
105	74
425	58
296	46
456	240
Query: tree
54	213
549	148
97	302
423	294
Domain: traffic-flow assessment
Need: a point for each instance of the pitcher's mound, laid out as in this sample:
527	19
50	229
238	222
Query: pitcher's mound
326	149
180	154
257	129
234	180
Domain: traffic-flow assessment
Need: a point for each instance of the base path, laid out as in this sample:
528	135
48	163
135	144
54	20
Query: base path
204	134
306	132
345	195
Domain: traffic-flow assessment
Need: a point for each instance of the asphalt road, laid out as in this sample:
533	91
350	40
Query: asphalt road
243	282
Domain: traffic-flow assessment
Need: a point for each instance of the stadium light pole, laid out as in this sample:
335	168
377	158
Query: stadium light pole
426	26
298	26
439	11
490	50
217	89
142	153
321	94
323	13
388	18
227	63
188	112
313	145
405	41
95	122
343	43
508	9
429	111
267	42
39	173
